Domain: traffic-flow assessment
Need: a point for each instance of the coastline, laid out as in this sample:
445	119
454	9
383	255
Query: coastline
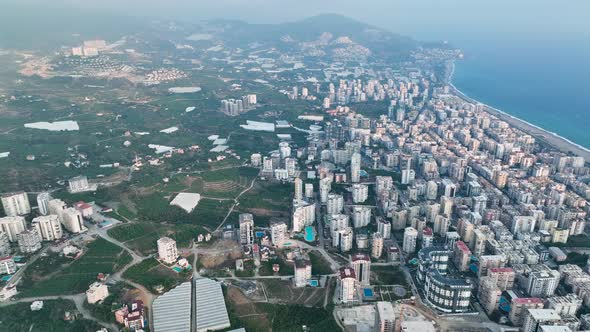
550	138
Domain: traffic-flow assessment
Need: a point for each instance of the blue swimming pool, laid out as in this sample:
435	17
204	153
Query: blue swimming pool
368	292
309	234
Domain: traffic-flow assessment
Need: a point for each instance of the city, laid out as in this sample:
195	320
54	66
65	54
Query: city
217	177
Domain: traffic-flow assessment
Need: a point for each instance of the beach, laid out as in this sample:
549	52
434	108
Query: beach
557	142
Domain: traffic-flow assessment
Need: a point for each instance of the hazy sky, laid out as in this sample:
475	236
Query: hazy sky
424	19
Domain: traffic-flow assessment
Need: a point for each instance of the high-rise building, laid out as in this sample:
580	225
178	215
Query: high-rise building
384	227
167	251
410	238
360	193
48	226
303	215
78	184
16	204
335	204
361	263
441	225
489	261
309	190
29	241
540	281
278	233
343	239
298	189
432	258
355	167
447	294
568	304
256	160
325	187
12	226
43	202
377	245
489	294
384	317
520	305
502	276
302	272
72	220
461	256
361	216
534	318
246	229
4	244
347	285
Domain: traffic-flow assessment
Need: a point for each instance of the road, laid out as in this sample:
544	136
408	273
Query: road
236	202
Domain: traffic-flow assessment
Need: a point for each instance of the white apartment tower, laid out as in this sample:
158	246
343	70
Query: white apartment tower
12	226
278	233
355	167
167	251
347	284
246	229
361	263
410	237
360	193
16	204
49	227
377	245
43	203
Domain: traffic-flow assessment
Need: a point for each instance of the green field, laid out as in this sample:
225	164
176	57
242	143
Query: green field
388	275
19	317
319	265
150	273
100	257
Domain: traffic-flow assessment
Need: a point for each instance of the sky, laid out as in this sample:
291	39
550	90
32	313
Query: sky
422	19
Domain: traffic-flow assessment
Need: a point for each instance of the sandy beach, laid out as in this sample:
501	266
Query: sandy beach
557	142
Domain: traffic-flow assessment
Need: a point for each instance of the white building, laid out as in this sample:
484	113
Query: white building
72	220
343	239
256	160
167	251
335	204
279	233
298	189
43	202
346	285
361	216
303	215
48	226
29	241
4	244
12	226
302	272
377	245
384	227
16	204
309	190
97	292
385	317
410	238
360	193
246	229
361	263
7	265
355	167
534	318
79	184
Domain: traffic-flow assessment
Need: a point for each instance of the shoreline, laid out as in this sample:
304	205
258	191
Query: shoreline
550	138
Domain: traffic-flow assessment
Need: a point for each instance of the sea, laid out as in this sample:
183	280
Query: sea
546	85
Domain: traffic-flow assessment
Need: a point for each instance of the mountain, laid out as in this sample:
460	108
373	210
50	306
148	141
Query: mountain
380	42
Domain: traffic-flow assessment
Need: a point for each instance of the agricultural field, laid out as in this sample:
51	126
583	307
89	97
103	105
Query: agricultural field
150	273
75	276
142	237
256	316
19	317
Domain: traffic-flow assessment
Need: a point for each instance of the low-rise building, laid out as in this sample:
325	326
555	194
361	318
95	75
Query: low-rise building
97	292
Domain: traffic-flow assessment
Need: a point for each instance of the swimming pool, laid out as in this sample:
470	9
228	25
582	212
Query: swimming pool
309	234
368	292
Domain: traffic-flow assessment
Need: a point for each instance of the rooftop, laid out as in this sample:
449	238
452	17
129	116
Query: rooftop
211	311
172	310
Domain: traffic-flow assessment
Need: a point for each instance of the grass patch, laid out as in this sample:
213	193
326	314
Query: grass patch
319	265
150	274
388	275
19	317
101	257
